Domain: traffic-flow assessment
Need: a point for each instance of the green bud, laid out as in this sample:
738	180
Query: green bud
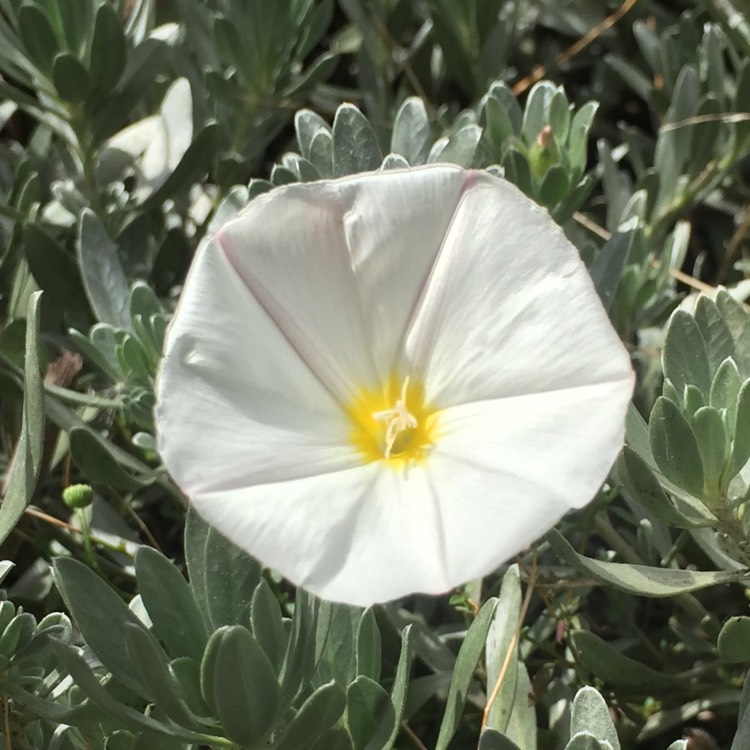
78	496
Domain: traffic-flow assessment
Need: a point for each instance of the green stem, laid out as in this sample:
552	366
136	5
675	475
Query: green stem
88	546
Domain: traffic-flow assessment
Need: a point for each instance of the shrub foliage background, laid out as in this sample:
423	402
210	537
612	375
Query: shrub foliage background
129	130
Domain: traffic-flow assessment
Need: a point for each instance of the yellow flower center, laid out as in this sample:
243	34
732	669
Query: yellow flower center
392	423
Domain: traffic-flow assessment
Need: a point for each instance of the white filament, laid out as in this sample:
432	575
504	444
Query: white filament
399	418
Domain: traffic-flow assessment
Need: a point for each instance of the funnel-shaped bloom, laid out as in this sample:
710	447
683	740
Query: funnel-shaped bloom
390	383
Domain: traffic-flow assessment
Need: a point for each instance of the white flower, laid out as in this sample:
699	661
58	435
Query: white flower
390	383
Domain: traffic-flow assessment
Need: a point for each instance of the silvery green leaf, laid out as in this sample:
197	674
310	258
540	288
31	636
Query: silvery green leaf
725	388
26	465
536	112
508	102
143	301
466	662
306	171
98	462
741	444
394	161
641	485
460	147
337	643
559	116
191	167
578	139
321	153
672	151
108	53
71	660
389	721
554	187
412	133
100	615
490	739
300	657
267	623
510	713
517	170
586	741
497	128
245	688
640	579
591	713
636	435
734	640
633	76
613	667
366	701
321	710
617	186
102	273
355	146
606	270
713	442
716	333
225	599
738	322
150	664
705	133
685	357
170	603
231	204
368	652
282	176
675	447
71	78
38	36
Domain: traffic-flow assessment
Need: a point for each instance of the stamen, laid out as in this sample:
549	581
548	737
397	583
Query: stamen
399	419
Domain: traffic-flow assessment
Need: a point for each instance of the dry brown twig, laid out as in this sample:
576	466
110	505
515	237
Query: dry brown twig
539	72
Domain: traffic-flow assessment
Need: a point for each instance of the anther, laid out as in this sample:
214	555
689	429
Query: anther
399	419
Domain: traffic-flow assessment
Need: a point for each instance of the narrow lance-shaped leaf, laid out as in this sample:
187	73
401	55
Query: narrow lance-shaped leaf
100	615
641	580
388	727
26	464
466	662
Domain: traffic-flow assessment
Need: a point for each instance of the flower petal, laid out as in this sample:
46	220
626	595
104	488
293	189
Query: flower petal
510	307
502	473
359	536
339	266
235	402
317	292
508	470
